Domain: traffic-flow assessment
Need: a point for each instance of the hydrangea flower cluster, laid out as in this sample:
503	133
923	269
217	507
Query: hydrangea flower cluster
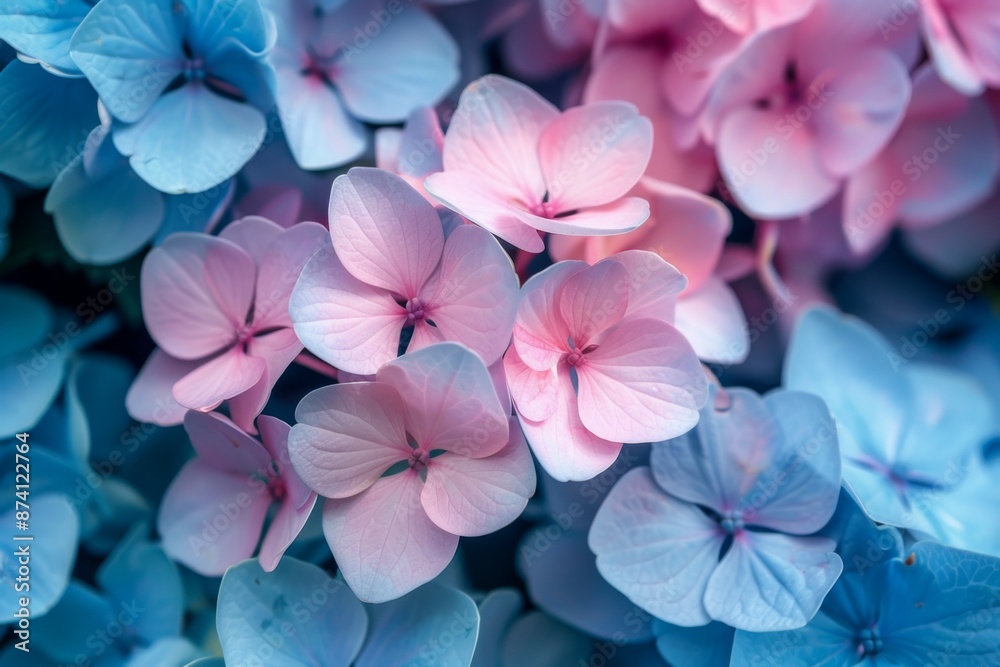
499	333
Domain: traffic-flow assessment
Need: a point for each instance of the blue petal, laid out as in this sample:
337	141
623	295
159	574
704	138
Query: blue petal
56	529
63	633
31	362
198	212
191	140
35	318
434	625
140	573
130	53
563	580
41	29
168	652
14	657
215	28
107	219
538	640
255	607
655	549
44	122
769	581
203	662
951	407
850	366
942	605
320	132
95	405
497	611
115	507
411	62
822	643
861	543
703	466
6	213
959	511
707	646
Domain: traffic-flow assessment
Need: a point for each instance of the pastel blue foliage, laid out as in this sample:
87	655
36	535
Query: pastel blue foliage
893	417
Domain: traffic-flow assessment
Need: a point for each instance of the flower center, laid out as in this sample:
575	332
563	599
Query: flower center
277	489
414	311
419	458
869	642
732	523
576	357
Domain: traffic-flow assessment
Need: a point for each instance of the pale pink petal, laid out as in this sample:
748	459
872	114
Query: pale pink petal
196	293
754	75
151	396
563	445
872	199
642	384
346	436
686	228
383	541
644	16
688	81
278	203
384	232
210	519
593	300
631	73
494	136
858	108
274	434
471	497
479	202
946	50
278	349
540	333
619	217
653	285
473	297
279	268
963	144
742	16
221	445
592	155
424	335
535	393
225	376
285	527
448	400
712	320
254	233
499	378
343	321
772	170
